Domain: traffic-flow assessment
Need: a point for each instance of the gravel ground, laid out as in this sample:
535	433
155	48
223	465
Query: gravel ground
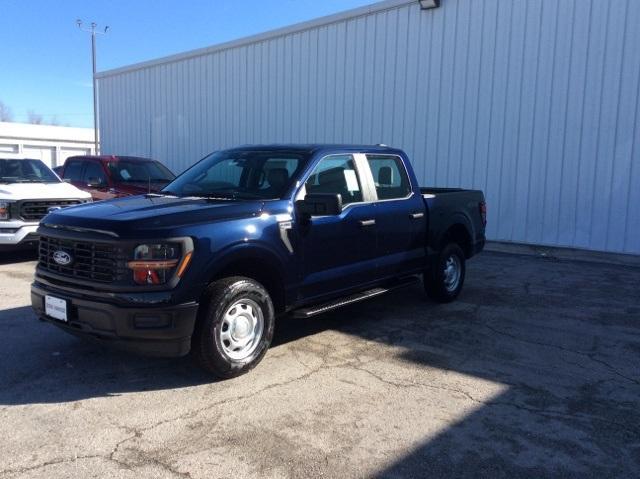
533	372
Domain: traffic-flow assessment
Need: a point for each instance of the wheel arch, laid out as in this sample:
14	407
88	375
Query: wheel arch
256	263
458	233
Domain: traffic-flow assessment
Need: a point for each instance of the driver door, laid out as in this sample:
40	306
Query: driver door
339	252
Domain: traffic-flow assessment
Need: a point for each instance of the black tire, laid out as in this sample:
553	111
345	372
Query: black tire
436	283
207	347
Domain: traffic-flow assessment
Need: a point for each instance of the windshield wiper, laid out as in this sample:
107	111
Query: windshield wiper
168	193
237	195
217	196
246	195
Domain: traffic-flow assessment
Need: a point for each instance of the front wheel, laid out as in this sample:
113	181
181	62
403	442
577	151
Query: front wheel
444	281
235	327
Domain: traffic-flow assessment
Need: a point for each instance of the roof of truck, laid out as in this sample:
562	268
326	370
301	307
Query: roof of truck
314	147
112	157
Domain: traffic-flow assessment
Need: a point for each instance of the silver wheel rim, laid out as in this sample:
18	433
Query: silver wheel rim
241	329
452	273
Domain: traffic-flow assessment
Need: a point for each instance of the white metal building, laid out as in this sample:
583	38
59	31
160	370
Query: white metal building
51	144
535	102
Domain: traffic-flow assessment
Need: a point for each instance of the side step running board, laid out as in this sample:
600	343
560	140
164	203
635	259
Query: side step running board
353	298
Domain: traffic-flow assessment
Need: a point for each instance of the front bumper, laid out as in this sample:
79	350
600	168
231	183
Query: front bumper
14	233
154	330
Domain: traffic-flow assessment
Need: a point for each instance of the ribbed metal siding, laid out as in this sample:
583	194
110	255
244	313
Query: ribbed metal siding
534	102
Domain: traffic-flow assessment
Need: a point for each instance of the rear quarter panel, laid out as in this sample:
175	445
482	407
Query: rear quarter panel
447	209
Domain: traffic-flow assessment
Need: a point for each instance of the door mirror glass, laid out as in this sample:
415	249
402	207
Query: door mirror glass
320	204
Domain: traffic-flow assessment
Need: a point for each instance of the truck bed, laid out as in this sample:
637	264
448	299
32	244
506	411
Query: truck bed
445	204
437	191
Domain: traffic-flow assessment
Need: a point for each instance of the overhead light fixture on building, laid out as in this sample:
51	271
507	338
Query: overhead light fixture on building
427	4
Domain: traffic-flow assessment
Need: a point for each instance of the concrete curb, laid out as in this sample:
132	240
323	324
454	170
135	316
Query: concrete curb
563	254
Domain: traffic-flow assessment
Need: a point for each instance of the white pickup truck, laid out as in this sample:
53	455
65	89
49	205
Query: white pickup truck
28	191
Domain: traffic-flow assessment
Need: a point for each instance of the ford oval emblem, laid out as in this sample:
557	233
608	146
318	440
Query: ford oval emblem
62	258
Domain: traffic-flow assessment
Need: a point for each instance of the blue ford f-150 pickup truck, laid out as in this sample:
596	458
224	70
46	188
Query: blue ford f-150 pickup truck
244	236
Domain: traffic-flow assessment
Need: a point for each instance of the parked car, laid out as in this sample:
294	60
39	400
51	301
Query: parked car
28	190
244	236
107	177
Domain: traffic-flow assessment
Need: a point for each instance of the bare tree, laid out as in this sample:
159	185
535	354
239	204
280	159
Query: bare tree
5	112
55	121
34	118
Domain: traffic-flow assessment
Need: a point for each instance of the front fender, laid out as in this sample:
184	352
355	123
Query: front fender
242	251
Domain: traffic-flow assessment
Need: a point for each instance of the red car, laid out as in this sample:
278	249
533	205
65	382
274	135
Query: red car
107	177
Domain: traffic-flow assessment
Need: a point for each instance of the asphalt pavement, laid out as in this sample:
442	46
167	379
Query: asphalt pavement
533	372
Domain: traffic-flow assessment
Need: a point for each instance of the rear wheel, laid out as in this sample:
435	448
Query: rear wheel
444	281
235	327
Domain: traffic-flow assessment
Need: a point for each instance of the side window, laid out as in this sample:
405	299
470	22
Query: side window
94	172
390	176
336	174
73	171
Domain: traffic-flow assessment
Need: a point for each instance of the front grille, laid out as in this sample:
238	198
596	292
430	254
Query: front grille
36	210
102	262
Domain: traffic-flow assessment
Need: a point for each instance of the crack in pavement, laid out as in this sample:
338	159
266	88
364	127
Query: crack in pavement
542	412
51	462
568	350
138	432
109	457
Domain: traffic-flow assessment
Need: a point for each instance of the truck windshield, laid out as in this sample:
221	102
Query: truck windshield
239	175
124	171
26	171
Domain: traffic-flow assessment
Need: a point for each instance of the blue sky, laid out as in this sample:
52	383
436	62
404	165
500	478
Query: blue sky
45	61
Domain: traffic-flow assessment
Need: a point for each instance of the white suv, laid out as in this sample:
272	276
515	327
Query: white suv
28	190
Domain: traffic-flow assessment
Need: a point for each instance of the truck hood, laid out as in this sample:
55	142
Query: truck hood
41	191
141	215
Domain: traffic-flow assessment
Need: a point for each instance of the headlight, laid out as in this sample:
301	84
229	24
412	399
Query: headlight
155	264
5	212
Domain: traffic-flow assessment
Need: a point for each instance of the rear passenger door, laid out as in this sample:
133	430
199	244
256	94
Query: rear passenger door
400	217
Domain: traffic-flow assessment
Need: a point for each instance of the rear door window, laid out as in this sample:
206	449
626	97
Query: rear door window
390	176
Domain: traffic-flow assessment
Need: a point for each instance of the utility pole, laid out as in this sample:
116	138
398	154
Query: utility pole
93	33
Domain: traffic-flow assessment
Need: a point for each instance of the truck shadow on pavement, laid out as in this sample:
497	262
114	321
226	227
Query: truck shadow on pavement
552	350
19	256
42	364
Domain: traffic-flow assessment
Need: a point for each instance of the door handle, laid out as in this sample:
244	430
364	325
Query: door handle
415	216
367	222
